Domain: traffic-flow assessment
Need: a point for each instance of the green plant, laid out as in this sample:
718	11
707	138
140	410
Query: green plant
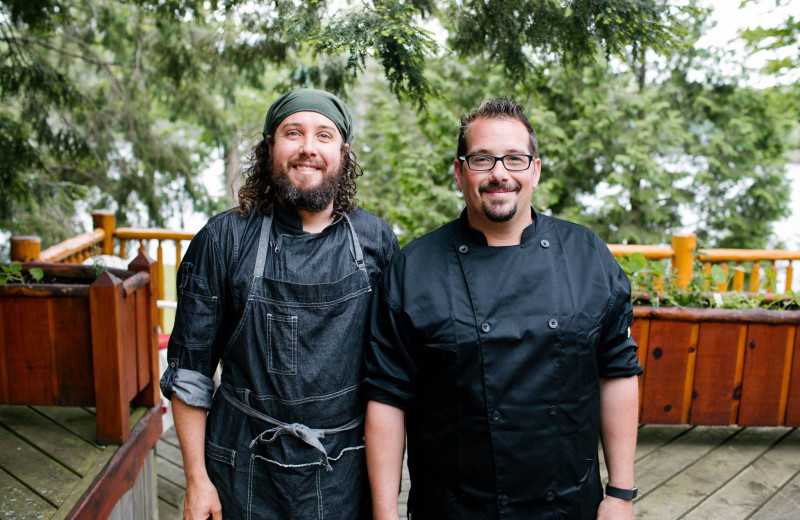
13	273
655	284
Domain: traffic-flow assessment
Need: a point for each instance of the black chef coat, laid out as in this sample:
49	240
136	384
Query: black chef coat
495	355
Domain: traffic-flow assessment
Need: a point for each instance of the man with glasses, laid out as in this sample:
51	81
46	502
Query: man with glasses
500	345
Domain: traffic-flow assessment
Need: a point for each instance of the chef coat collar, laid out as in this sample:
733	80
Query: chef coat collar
479	238
291	222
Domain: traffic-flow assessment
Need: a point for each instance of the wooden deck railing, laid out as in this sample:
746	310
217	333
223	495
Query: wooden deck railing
109	240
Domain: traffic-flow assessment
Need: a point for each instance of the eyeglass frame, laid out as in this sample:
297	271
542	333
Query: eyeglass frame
501	158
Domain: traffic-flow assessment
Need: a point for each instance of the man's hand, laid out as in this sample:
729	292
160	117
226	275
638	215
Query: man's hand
615	509
201	501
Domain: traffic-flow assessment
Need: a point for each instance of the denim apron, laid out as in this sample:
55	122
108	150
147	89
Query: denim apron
285	432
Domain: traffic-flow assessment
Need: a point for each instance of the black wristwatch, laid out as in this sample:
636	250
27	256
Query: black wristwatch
624	494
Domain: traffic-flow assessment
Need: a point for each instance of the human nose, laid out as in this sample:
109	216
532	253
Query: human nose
308	146
499	169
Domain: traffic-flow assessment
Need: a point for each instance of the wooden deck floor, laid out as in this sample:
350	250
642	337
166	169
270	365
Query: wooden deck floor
698	473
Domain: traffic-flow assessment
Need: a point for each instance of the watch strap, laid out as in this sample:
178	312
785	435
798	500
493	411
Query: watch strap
624	494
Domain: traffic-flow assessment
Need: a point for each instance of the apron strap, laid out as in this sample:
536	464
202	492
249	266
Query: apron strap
355	245
263	243
310	436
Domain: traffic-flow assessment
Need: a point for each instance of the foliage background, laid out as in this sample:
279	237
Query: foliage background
123	104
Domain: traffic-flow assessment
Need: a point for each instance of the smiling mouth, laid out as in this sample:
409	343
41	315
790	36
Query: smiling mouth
306	168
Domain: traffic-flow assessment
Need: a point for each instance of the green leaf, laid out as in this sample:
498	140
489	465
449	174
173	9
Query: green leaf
718	274
36	273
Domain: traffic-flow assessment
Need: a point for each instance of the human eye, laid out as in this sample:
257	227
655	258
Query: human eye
516	160
480	160
326	136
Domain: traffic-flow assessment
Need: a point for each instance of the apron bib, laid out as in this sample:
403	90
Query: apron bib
285	432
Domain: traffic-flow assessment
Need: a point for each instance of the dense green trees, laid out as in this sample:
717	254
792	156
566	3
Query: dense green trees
122	103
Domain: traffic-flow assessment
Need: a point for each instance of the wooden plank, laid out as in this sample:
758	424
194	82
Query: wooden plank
665	378
141	343
67	449
167	511
785	505
113	416
19	502
130	369
78	421
171	471
687	489
150	489
73	352
4	379
169	452
663	464
793	410
652	437
170	493
754	486
763	376
147	298
47	478
28	354
119	475
640	332
715	392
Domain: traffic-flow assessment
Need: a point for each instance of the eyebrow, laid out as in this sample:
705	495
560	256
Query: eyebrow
318	127
484	151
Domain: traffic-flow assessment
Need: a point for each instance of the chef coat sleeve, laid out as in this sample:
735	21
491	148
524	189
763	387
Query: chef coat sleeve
388	365
193	351
616	353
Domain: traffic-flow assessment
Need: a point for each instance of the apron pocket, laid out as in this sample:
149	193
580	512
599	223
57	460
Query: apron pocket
220	454
282	344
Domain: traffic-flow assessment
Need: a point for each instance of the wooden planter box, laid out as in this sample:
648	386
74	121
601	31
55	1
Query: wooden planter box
91	343
718	366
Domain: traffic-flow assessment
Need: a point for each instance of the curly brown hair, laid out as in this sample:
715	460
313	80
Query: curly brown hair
258	184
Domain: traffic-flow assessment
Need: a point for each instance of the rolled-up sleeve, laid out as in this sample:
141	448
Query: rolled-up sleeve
388	364
616	353
194	345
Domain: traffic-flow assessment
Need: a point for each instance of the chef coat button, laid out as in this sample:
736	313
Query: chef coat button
485	327
549	496
545	243
463	249
553	323
552	410
496	416
503	500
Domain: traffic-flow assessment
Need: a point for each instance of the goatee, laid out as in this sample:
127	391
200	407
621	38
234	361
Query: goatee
494	212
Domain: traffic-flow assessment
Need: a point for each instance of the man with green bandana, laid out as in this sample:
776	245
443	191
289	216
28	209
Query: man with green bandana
277	290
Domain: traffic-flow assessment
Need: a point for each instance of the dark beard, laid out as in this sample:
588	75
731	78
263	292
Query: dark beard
313	199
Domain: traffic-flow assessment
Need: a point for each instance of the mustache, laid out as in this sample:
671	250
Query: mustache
316	163
505	186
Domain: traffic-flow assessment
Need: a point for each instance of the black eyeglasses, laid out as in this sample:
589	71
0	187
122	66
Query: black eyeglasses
481	162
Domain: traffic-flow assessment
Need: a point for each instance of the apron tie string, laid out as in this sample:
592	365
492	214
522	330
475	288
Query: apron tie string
300	431
310	436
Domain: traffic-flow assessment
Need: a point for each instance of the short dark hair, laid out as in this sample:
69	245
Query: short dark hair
499	108
258	189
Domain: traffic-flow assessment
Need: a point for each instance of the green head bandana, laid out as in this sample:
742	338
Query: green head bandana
310	100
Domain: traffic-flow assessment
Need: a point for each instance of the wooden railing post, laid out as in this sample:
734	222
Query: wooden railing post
103	218
25	248
148	347
105	306
683	261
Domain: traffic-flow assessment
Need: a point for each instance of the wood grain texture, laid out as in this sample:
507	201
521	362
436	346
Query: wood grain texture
666	375
763	375
715	391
